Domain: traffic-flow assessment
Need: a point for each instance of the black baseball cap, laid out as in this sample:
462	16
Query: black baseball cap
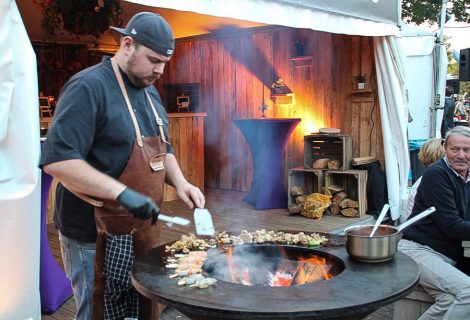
150	30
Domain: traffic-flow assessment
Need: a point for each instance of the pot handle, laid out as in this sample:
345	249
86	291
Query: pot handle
416	218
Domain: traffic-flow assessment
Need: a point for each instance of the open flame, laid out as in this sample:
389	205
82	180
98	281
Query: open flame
280	279
312	269
279	272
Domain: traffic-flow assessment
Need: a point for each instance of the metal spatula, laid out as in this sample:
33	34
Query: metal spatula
173	220
203	222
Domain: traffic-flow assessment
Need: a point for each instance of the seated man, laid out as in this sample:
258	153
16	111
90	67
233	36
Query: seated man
435	242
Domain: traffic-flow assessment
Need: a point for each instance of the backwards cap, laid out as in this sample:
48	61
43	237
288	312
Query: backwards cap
150	30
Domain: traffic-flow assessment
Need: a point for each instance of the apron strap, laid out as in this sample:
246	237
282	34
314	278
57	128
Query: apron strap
157	118
84	197
138	135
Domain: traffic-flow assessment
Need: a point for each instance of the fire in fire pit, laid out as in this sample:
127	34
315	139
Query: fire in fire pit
271	265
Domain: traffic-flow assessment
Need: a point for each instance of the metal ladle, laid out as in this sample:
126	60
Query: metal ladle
379	219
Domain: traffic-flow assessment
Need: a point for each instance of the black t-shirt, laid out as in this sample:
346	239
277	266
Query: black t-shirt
92	123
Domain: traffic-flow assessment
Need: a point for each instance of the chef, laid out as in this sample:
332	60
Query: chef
108	148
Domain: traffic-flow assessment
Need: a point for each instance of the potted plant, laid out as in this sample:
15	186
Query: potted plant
279	87
81	17
360	81
300	46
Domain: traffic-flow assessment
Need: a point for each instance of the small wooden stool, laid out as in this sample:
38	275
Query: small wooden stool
413	305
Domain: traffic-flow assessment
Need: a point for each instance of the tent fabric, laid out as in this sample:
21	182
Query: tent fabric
354	17
418	48
394	116
19	174
423	42
375	10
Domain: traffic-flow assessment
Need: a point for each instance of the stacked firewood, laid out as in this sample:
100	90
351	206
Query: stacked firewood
340	203
326	163
300	195
311	206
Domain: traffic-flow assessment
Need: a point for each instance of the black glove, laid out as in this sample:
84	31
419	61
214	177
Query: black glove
140	206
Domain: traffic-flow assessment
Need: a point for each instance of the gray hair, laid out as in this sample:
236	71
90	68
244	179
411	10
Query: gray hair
458	130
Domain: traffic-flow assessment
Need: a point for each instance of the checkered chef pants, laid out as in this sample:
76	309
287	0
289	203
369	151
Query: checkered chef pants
121	300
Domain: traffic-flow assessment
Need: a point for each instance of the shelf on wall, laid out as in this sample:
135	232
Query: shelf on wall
302	61
361	91
362	96
282	98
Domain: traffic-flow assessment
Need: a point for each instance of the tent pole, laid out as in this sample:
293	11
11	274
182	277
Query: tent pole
439	74
443	21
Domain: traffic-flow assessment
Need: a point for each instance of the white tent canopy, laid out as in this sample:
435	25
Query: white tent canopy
425	56
377	18
419	48
19	175
360	17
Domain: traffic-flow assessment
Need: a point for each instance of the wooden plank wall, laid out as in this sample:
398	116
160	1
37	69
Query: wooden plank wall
235	72
186	133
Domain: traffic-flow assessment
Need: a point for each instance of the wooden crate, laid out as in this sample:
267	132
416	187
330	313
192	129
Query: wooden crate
333	147
311	179
354	183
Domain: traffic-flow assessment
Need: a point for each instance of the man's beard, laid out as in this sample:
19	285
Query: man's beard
137	81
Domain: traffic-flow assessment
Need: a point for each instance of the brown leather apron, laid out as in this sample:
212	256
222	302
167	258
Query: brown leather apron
144	173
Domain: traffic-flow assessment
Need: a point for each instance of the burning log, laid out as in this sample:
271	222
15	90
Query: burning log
280	279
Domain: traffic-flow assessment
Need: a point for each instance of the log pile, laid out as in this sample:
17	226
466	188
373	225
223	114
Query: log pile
326	163
340	203
300	196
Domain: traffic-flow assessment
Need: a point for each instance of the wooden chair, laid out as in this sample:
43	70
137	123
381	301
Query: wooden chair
45	109
183	103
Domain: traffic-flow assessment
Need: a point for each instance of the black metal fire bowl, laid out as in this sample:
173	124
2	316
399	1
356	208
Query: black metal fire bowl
360	289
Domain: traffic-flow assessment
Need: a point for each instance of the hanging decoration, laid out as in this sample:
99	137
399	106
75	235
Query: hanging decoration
80	17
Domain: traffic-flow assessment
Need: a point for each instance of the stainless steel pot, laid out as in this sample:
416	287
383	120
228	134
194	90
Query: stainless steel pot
380	247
